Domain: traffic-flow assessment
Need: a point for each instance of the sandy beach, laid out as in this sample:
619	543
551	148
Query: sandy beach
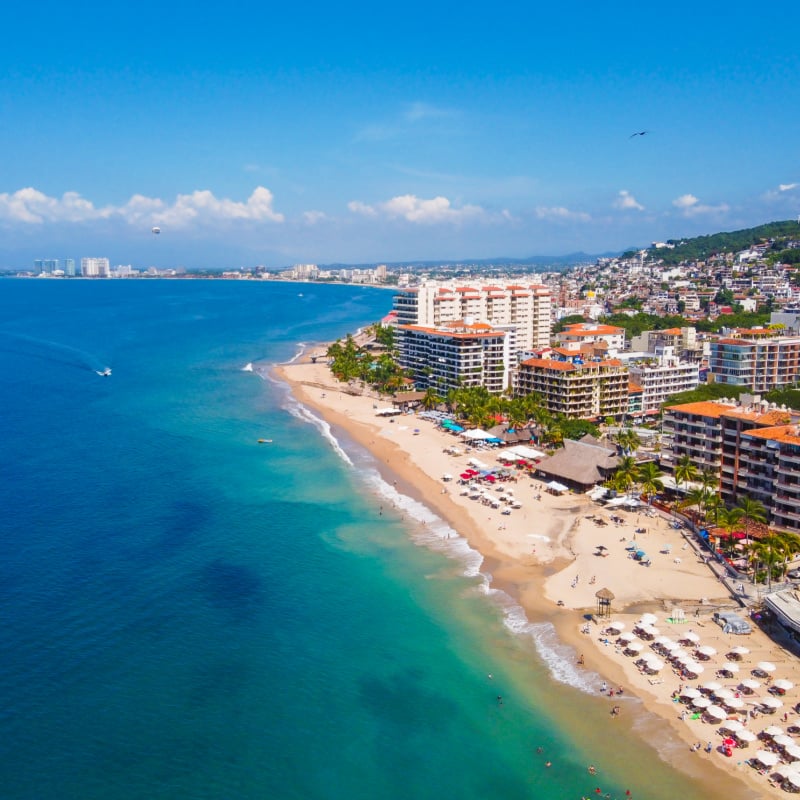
553	553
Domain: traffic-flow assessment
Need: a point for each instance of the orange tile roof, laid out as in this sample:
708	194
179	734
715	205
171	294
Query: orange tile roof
703	408
633	388
550	363
577	329
781	433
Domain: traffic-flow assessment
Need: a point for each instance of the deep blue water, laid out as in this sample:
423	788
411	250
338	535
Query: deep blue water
187	614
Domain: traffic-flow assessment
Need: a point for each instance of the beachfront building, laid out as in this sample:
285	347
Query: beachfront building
762	361
454	355
580	464
95	267
585	332
753	446
577	389
523	307
683	341
662	376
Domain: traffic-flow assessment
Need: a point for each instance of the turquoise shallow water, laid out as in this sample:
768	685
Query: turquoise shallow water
188	614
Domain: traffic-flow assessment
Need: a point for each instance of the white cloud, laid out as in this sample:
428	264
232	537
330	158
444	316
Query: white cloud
690	206
559	213
418	210
34	207
787	187
626	201
418	111
313	217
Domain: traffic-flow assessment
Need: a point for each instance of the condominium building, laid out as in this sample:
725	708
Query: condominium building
583	332
663	376
761	364
457	354
95	267
524	307
576	389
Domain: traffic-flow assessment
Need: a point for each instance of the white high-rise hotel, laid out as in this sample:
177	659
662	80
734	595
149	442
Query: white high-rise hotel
95	268
521	308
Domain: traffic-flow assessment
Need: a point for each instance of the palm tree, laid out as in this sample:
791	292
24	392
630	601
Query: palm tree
685	471
627	473
695	498
431	399
713	507
752	511
650	480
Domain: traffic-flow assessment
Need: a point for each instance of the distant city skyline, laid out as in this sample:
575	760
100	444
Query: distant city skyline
356	134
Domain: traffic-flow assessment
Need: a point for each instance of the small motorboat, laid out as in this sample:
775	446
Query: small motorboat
265	441
104	373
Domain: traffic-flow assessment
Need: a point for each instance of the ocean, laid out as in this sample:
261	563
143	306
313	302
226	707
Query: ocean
186	613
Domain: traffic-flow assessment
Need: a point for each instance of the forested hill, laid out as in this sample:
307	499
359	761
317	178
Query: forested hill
701	247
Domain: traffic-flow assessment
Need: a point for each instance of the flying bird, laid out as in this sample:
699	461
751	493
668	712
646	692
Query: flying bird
638	133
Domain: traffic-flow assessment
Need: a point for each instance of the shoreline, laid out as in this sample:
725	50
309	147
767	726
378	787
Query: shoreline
537	570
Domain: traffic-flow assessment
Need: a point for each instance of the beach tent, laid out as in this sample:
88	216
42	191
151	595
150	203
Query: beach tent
732	623
388	412
556	487
476	434
523	451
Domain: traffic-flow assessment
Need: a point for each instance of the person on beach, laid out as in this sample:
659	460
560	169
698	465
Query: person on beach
580	660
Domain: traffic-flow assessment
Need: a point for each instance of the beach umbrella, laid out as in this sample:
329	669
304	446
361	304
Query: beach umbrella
771	702
750	684
783	770
782	684
690	692
647	619
732	725
729	666
627	637
739	651
793	725
679	655
661	639
615	626
706	651
670	646
701	702
723	694
693	668
794	779
690	636
650	630
729	742
654	664
734	703
783	739
744	735
634	647
715	712
773	730
766	758
765	666
712	686
793	752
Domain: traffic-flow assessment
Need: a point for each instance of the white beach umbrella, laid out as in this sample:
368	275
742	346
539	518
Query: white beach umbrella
793	725
783	684
771	702
783	739
679	654
707	650
661	639
654	664
670	646
647	619
793	752
794	779
733	703
773	730
650	630
616	626
712	686
627	637
732	725
690	636
715	712
729	666
782	770
693	668
723	694
634	647
750	683
744	735
701	702
765	666
690	692
739	650
766	758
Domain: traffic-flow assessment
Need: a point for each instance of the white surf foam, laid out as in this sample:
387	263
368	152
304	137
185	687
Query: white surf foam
435	533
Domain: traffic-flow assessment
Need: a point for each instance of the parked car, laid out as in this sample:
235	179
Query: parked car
793	574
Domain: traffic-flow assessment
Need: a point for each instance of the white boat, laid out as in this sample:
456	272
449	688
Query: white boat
104	373
248	367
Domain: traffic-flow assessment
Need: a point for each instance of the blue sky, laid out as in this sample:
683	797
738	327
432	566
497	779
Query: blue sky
384	132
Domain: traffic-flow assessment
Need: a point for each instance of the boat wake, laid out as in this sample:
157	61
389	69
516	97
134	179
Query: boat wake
248	367
54	352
